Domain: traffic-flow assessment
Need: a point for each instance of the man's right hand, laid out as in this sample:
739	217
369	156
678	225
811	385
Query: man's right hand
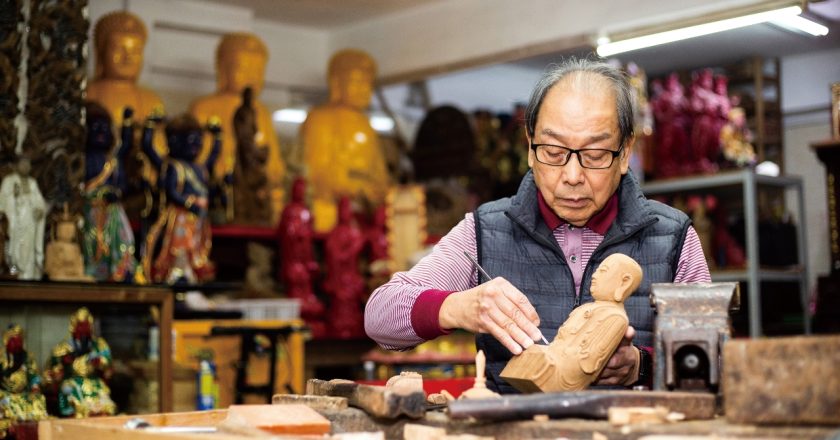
495	307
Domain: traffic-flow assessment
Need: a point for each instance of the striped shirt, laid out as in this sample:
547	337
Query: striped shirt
403	312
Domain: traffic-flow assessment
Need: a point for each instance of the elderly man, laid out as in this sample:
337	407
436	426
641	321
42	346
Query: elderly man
576	206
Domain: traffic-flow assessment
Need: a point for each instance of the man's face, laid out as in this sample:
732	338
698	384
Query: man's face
123	57
578	118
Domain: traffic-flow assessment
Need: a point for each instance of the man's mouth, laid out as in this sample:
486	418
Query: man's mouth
573	202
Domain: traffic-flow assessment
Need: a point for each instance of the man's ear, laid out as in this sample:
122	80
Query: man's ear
624	158
530	150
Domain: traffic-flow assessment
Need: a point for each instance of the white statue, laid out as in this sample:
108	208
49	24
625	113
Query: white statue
24	206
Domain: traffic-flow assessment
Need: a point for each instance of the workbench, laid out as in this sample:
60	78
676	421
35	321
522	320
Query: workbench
355	420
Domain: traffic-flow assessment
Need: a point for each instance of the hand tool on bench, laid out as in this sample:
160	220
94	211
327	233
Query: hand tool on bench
378	401
582	404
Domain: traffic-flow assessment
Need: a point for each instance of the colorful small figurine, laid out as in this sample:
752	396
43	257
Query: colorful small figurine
705	129
108	238
77	370
344	284
25	209
20	385
178	245
297	261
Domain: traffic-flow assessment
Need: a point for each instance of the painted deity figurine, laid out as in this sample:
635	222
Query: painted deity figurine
670	111
178	244
20	384
241	59
78	369
108	241
25	209
585	342
344	284
251	192
297	261
119	41
341	149
376	236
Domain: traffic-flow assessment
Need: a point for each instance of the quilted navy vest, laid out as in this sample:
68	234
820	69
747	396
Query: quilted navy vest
515	243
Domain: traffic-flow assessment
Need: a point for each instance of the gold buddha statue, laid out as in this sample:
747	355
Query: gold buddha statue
241	59
341	150
119	39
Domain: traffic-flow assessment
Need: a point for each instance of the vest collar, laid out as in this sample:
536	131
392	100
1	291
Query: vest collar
630	215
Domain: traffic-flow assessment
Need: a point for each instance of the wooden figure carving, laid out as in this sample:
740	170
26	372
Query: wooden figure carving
585	342
64	260
479	389
251	192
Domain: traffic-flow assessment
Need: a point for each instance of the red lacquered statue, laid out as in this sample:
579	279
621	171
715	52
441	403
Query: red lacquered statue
705	131
670	111
344	284
297	261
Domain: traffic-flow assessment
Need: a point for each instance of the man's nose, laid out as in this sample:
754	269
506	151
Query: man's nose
572	173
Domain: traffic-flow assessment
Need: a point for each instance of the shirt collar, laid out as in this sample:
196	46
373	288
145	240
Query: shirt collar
600	222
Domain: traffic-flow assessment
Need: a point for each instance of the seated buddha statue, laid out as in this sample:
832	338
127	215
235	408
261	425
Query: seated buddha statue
119	40
240	62
341	150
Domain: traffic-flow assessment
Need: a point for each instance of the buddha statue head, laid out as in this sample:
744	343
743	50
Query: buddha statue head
351	74
616	278
100	137
240	62
119	39
184	137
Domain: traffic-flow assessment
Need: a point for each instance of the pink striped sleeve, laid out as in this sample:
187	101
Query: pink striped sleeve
388	313
692	267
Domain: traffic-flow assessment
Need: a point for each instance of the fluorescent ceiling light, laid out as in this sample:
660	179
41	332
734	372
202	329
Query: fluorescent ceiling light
800	23
297	116
656	39
382	123
291	115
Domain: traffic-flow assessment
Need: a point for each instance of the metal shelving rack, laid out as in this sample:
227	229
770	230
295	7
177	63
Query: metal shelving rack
753	274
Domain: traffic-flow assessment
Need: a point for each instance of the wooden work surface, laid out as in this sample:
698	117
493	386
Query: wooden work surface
354	420
86	293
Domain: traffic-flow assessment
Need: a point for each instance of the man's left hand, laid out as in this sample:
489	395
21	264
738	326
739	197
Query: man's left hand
622	368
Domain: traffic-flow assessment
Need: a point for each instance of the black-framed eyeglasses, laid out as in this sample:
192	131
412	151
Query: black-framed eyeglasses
591	158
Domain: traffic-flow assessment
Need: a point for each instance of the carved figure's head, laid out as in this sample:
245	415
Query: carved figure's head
616	278
345	210
299	190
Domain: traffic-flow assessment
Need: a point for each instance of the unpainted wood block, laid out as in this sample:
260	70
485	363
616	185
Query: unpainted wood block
413	431
280	419
782	380
318	403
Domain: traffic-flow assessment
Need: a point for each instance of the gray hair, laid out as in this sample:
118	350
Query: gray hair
614	76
